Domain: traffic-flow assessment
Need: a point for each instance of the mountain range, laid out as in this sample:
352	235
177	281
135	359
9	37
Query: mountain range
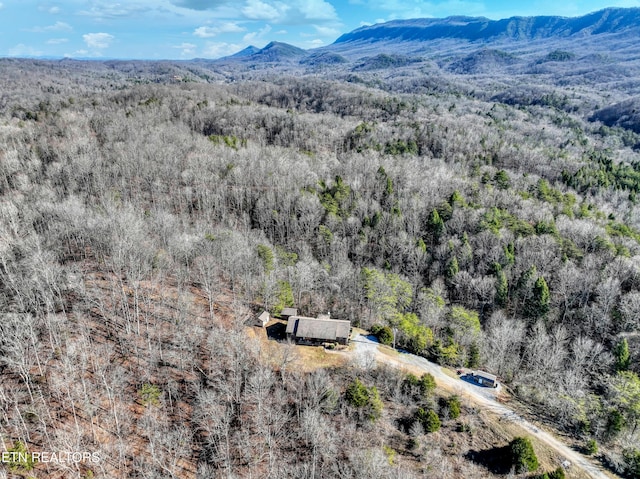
518	60
588	64
611	20
611	29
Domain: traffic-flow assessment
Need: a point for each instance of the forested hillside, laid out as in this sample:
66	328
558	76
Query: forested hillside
145	220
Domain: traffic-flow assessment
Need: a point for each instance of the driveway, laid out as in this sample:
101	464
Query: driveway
367	351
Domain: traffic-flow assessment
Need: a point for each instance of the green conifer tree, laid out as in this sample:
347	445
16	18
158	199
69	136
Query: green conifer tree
541	298
502	289
622	355
435	225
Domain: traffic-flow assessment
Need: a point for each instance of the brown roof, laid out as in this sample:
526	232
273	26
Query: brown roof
323	329
293	323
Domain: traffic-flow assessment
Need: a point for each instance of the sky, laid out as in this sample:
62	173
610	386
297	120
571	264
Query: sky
185	29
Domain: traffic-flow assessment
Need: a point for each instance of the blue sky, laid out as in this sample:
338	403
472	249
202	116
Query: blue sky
183	29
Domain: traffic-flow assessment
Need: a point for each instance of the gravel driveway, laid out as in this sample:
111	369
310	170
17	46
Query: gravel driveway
367	351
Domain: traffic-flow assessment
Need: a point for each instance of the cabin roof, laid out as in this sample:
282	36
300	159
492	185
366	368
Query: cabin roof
323	329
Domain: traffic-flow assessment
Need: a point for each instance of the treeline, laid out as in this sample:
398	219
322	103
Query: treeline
450	220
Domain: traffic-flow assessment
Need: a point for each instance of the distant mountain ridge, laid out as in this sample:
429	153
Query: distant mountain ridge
250	50
462	35
273	52
610	20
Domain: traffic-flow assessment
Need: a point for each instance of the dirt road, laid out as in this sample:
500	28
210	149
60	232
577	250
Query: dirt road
368	350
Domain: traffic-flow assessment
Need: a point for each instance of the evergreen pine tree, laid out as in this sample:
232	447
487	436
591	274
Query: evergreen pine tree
541	298
622	355
435	225
502	289
452	268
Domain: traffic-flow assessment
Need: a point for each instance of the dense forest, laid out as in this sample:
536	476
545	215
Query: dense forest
145	220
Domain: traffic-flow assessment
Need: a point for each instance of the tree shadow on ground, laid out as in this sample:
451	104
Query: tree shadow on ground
497	459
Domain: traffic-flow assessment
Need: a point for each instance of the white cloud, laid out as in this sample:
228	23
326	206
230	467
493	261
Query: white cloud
59	27
289	12
205	32
317	10
200	4
82	53
222	49
327	31
276	11
77	53
104	10
315	43
188	49
258	10
434	8
49	8
294	12
374	22
98	40
226	27
57	41
22	50
255	36
56	27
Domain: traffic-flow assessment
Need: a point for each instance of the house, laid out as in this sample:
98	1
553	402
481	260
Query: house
263	319
288	312
484	379
318	331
